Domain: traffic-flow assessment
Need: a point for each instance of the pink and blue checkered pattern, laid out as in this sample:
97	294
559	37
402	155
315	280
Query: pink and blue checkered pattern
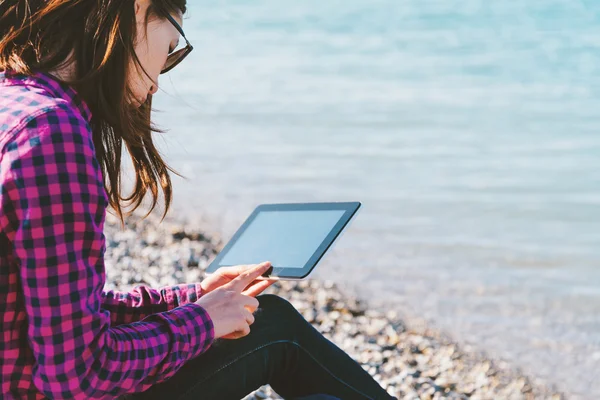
63	335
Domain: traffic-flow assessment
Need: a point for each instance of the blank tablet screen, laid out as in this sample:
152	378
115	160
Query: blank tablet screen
286	238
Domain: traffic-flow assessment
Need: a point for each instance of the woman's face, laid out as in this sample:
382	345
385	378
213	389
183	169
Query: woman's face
155	42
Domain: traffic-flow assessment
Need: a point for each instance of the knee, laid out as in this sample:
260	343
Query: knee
276	307
272	301
281	320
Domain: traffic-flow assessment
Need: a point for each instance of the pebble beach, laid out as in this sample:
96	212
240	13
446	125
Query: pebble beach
410	360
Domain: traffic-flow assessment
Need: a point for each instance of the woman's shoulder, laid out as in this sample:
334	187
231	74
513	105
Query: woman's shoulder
46	139
25	105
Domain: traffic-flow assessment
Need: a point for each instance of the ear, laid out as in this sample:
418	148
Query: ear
140	8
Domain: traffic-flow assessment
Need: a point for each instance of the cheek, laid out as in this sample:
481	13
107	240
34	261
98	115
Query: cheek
157	51
152	52
157	61
135	81
150	56
137	77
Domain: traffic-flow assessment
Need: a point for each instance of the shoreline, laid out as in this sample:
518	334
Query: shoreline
404	355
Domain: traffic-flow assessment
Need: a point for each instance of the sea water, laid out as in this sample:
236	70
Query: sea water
468	129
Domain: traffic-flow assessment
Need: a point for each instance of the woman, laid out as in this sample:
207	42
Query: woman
76	81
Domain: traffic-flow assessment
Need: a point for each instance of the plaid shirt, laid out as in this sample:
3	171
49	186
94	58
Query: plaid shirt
63	335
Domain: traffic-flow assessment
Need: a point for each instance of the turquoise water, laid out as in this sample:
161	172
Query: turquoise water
467	128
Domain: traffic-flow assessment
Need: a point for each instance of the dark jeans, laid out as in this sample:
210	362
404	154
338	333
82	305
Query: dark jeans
283	350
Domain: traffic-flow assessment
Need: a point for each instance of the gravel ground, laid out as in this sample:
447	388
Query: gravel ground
410	363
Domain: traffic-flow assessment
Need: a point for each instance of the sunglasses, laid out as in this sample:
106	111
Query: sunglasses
175	58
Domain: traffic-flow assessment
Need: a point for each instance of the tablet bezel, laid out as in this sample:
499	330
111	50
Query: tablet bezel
350	209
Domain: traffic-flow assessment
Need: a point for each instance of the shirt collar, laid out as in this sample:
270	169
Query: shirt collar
52	85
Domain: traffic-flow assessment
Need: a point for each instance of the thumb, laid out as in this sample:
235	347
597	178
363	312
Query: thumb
257	287
245	278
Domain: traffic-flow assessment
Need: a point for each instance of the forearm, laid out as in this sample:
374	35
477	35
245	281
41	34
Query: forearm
142	301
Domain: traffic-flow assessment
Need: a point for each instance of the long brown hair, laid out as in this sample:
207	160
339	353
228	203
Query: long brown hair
40	35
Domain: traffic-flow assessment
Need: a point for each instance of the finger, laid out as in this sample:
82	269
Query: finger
257	287
249	301
260	279
239	333
225	270
235	335
240	282
249	316
228	337
233	270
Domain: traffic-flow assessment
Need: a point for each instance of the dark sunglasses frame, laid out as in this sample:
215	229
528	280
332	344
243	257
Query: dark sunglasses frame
175	58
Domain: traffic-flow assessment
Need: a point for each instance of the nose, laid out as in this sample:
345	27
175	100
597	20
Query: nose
153	89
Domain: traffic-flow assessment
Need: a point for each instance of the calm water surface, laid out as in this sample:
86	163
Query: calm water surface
468	129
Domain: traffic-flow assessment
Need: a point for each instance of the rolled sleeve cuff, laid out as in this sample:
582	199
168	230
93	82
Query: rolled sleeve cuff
183	294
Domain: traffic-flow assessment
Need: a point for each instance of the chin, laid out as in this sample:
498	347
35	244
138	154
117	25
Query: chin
137	102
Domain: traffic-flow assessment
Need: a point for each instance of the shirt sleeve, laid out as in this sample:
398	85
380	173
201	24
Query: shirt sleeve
55	185
142	301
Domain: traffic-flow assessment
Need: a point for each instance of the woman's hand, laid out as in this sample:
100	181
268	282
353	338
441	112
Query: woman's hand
231	310
224	275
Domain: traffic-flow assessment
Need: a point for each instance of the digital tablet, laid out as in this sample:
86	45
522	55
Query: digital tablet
292	236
